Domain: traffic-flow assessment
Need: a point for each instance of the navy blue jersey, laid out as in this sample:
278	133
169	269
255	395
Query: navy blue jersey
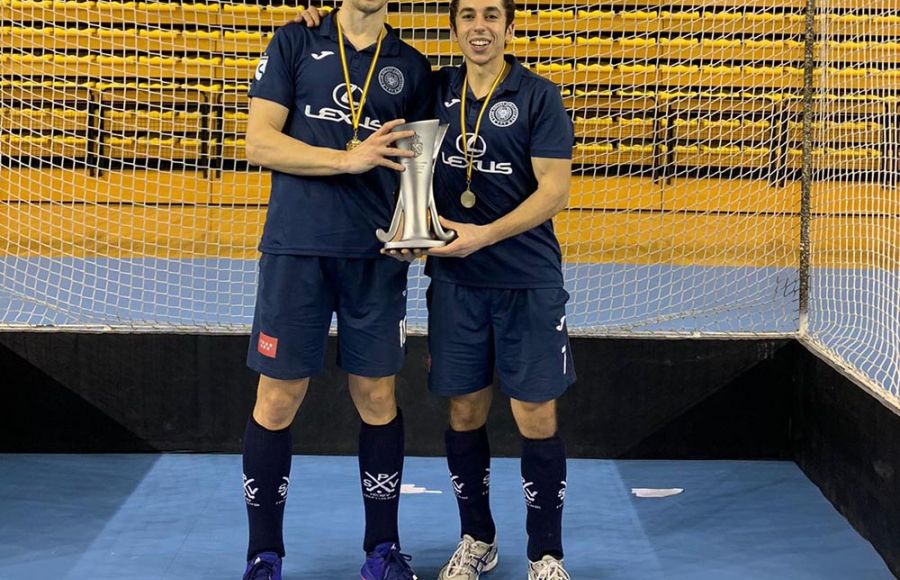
337	215
525	118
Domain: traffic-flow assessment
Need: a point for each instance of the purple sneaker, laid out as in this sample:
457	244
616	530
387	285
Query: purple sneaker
387	563
264	566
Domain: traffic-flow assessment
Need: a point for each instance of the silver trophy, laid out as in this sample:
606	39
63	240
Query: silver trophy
415	204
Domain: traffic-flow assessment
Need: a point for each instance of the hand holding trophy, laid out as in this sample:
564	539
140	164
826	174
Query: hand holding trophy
415	216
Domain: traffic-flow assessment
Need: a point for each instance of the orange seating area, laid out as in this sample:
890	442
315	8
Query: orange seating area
668	99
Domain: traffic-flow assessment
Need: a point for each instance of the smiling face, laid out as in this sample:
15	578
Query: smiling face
482	28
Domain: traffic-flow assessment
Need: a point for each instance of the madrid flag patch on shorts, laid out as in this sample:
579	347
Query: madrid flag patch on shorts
267	345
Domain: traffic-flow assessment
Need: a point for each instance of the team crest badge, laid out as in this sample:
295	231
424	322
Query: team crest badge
504	114
391	80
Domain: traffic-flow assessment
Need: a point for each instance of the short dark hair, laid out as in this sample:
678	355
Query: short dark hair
509	6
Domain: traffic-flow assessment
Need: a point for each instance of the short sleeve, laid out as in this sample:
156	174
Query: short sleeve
552	134
274	77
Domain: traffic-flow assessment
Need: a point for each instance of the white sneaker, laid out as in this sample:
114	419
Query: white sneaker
547	568
470	560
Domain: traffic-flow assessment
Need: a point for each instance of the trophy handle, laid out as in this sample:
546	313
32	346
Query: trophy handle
386	236
439	231
438	140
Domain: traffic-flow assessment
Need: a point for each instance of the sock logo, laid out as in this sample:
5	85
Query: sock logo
381	486
250	491
530	494
457	486
486	482
283	490
562	494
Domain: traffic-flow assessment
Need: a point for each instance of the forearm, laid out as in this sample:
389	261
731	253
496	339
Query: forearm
277	151
535	210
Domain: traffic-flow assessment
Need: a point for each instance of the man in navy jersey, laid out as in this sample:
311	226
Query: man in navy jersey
496	300
323	104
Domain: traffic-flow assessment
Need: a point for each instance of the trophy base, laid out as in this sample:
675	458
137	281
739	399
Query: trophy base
414	244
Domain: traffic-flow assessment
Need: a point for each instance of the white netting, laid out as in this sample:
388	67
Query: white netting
126	202
854	300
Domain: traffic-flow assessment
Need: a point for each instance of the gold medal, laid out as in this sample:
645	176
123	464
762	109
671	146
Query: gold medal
355	109
468	199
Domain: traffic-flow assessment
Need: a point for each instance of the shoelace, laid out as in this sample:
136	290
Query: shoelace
462	559
553	570
261	566
395	560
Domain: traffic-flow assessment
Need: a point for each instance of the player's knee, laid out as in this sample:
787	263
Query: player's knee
274	414
467	414
376	406
277	402
535	420
382	399
537	430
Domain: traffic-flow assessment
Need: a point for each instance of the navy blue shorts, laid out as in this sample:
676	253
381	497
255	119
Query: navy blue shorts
295	299
520	333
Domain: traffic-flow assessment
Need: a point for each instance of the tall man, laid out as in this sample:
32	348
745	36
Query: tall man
323	104
496	300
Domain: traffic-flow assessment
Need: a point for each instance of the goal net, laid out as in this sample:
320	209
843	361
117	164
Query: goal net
735	165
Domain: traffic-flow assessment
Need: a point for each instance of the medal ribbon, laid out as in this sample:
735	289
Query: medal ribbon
462	121
356	113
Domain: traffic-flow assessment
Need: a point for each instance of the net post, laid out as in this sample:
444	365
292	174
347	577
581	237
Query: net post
806	172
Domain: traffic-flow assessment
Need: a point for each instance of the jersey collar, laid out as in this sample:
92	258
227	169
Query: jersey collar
389	46
508	85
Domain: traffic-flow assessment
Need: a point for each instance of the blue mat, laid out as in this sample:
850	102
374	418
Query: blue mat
129	517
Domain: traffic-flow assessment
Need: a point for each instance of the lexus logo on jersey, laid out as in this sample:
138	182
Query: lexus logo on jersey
339	96
267	345
475	145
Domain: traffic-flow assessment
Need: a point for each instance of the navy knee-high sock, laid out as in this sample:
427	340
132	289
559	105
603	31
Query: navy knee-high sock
267	472
381	449
469	460
544	485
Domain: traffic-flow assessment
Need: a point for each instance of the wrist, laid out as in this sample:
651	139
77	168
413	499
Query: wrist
491	234
339	161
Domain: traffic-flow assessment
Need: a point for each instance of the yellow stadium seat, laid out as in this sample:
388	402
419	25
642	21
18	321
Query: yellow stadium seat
152	121
57	120
44	146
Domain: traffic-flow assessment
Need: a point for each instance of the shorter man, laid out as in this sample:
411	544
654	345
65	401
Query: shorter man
496	300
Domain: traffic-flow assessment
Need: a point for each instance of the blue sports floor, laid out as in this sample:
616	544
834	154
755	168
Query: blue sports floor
129	517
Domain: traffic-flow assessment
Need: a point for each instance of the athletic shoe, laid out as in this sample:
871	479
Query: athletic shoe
470	560
547	568
264	566
387	563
